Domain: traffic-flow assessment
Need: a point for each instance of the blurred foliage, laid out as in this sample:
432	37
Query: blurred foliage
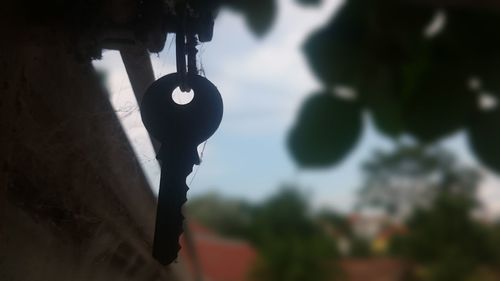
360	248
449	244
412	75
485	139
337	221
230	217
411	176
259	15
339	226
290	245
315	142
309	2
441	235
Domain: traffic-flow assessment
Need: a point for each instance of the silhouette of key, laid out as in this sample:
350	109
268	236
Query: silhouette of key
180	129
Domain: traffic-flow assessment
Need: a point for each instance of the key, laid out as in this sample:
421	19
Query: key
180	129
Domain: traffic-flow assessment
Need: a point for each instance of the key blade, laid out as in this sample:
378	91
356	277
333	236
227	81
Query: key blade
171	198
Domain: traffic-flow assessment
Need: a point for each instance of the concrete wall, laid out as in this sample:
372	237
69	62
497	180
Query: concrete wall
74	203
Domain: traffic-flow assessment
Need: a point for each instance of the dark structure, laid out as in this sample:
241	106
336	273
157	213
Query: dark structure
74	203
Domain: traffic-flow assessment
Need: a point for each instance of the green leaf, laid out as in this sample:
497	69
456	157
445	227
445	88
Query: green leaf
439	104
472	37
335	52
484	138
384	105
326	130
259	15
386	116
363	37
309	2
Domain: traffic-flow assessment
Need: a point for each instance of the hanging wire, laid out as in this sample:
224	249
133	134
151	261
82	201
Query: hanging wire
202	67
165	58
198	166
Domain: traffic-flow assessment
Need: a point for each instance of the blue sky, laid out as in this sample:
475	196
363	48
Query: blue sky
263	82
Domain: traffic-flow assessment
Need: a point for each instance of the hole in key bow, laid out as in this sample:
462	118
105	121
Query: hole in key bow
182	98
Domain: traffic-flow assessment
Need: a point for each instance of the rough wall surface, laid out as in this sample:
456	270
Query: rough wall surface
74	204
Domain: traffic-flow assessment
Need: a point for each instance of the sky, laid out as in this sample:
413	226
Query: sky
263	82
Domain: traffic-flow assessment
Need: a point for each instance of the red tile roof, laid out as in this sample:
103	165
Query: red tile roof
373	269
220	259
223	259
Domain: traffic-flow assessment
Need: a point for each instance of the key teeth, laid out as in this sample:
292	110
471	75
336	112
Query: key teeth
170	219
165	260
166	257
168	252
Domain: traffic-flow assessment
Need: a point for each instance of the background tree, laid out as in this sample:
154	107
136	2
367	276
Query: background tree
290	241
338	226
446	241
291	245
226	216
427	190
412	176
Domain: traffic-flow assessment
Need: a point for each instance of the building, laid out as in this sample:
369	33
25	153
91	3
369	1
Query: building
215	258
